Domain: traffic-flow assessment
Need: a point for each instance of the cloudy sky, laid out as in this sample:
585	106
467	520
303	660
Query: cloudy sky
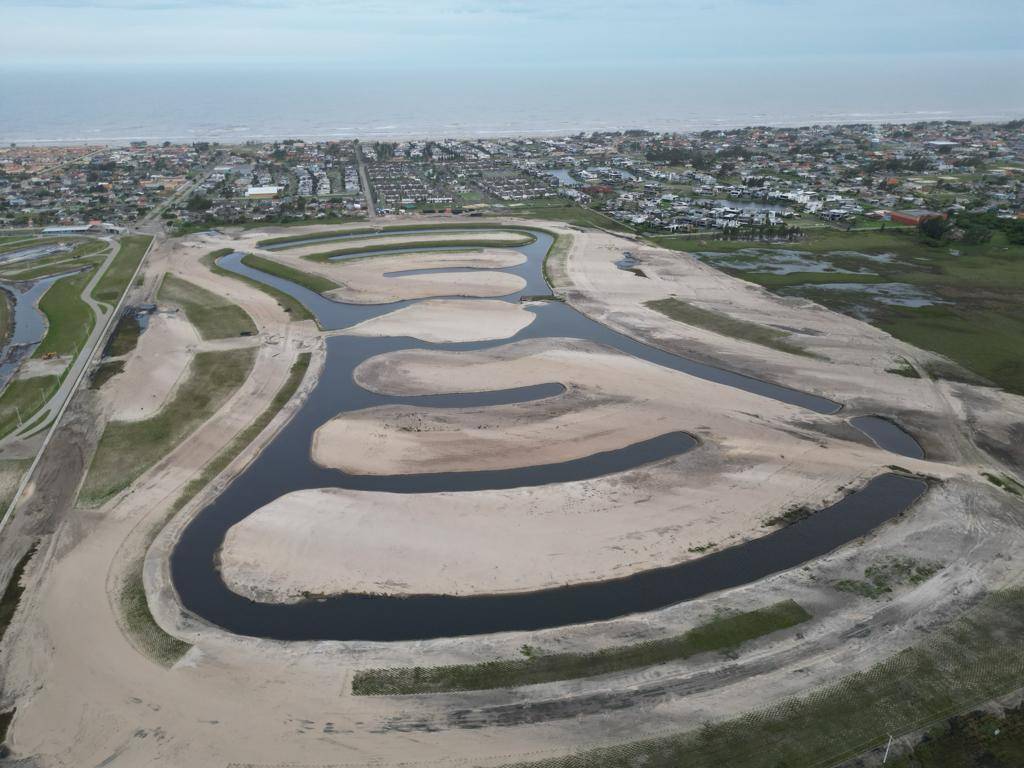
496	33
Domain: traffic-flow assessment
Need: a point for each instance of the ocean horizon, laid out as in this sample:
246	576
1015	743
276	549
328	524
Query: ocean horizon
116	104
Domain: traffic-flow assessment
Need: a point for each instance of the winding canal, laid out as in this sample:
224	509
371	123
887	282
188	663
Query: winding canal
285	466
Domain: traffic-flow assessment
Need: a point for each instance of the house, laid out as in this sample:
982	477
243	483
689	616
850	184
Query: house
913	216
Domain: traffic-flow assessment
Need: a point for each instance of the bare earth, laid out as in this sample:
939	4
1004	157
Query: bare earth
154	369
449	320
87	694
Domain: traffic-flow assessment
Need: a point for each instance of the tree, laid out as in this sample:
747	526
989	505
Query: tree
932	228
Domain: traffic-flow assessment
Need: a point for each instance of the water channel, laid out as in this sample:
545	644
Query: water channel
285	466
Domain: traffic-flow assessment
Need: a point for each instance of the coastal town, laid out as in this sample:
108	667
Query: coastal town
753	182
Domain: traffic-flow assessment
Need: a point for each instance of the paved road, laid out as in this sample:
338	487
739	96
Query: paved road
371	208
55	407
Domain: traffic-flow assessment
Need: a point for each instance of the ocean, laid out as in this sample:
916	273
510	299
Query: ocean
117	104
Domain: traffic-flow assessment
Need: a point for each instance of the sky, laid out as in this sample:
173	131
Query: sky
495	34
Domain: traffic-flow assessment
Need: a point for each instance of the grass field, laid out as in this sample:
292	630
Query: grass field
24	396
507	242
129	448
213	316
290	305
115	280
11	471
245	437
69	319
568	213
976	321
725	325
313	282
396	229
962	665
719	634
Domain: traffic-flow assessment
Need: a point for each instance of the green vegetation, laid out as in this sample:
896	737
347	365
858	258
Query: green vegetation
717	322
720	634
960	666
17	243
305	279
246	436
213	316
567	213
119	274
85	253
880	578
414	244
125	337
289	304
70	320
13	592
557	254
974	739
139	620
24	397
129	448
1005	482
904	368
793	514
104	372
143	628
976	321
397	230
5	723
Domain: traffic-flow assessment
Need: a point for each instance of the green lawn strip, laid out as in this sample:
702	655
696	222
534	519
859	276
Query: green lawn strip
289	304
25	396
719	634
378	231
213	316
139	620
1005	482
557	255
13	591
115	280
394	249
228	454
69	319
904	368
128	448
725	325
962	665
305	279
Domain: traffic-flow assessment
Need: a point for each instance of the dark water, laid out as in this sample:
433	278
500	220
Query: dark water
889	436
29	322
284	466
